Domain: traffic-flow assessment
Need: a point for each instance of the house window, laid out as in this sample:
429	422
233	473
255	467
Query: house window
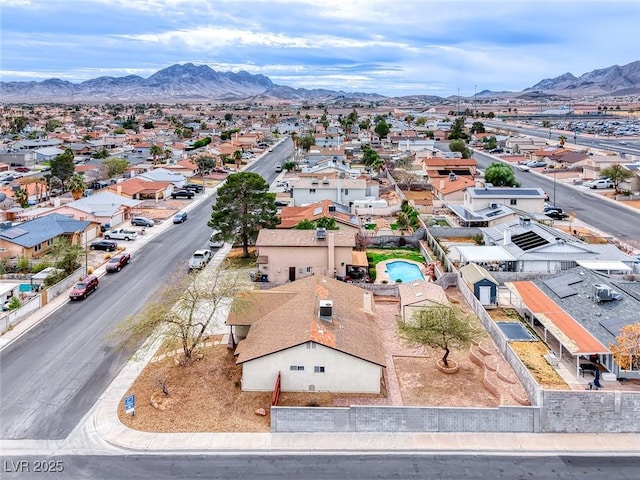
513	201
37	248
318	369
312	190
296	368
346	191
308	269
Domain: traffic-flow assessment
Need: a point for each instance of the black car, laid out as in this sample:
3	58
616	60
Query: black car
108	245
194	187
182	194
555	213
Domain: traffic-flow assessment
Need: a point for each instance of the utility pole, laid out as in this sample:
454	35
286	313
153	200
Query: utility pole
475	107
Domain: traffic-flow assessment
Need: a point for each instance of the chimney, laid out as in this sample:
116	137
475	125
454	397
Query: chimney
441	184
507	237
119	189
367	302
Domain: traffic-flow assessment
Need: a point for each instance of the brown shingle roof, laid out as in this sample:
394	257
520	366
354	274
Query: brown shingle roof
287	316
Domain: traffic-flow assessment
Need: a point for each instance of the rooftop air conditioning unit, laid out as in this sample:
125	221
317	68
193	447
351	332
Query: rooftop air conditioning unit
326	309
604	293
493	205
321	233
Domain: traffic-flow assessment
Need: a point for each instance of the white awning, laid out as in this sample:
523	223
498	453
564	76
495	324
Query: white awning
606	265
489	253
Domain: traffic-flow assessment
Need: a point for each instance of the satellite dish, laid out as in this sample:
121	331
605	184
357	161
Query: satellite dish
3	197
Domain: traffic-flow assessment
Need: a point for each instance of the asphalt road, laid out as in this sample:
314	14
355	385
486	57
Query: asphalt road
604	215
321	467
51	376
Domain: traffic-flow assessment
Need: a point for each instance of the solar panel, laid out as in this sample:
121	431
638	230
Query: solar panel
528	240
561	285
614	325
14	232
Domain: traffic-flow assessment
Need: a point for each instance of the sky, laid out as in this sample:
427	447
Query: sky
390	47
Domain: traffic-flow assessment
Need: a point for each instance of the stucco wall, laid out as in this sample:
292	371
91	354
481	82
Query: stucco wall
342	372
281	258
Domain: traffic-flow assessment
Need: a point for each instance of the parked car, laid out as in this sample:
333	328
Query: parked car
142	222
199	259
116	263
213	243
182	193
194	187
278	168
536	164
22	169
496	150
599	183
523	167
108	245
121	234
180	217
84	287
556	214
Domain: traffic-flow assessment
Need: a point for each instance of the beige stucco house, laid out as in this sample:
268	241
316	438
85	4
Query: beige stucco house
318	333
286	255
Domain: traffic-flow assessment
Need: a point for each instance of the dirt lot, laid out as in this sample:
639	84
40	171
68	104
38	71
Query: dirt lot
532	355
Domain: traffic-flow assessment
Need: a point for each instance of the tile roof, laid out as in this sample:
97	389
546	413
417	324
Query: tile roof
291	216
573	336
275	327
302	238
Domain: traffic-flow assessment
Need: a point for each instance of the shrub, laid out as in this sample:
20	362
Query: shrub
22	264
38	267
54	278
14	303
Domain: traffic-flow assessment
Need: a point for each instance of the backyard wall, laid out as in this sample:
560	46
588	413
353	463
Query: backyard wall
404	419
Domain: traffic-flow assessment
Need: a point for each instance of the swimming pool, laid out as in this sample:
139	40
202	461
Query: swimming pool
403	271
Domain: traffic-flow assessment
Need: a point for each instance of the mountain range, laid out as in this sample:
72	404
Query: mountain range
197	83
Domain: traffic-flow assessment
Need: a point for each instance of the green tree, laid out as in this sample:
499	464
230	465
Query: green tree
155	151
460	146
489	143
244	206
440	326
562	139
305	224
306	142
382	128
62	167
237	158
288	166
52	124
371	158
148	125
500	175
477	127
77	186
327	222
205	163
102	153
18	124
457	130
21	196
115	166
618	174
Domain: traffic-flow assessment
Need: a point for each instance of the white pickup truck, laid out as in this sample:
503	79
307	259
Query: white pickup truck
199	259
121	234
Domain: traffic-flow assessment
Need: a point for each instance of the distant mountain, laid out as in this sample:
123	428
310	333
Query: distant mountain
183	83
198	83
615	80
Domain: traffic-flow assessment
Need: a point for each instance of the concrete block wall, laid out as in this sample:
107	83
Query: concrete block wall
404	419
590	411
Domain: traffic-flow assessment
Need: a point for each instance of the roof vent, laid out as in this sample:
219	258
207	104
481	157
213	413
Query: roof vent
326	310
321	233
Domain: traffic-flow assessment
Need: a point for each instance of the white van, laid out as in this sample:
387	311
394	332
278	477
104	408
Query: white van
213	243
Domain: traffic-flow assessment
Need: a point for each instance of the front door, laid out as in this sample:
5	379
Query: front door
485	295
292	274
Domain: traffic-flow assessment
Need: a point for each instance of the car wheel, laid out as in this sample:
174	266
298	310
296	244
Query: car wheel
107	237
126	239
118	269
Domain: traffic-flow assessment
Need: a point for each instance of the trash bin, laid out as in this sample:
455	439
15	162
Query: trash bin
264	278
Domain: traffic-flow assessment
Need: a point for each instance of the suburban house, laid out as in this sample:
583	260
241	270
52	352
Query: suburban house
317	334
163	175
345	220
526	246
594	164
450	191
338	190
138	188
527	199
418	295
441	168
286	255
34	238
105	208
47	153
583	311
18	158
523	144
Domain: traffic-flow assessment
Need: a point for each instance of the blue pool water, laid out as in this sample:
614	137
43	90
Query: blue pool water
405	271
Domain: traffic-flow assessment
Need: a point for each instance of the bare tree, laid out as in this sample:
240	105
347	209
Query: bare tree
183	310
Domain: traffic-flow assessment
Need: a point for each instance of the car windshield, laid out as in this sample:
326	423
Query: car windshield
81	286
114	260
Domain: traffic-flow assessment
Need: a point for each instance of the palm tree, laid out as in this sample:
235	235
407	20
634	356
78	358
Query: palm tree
21	196
562	139
237	156
77	186
155	151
